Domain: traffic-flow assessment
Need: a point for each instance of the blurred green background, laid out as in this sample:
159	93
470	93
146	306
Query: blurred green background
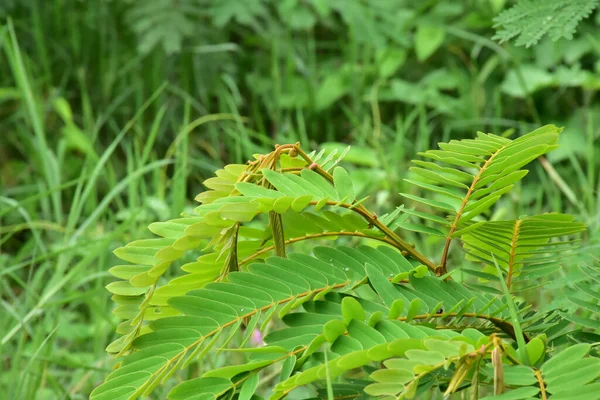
112	113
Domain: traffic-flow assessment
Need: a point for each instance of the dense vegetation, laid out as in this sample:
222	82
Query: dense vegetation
359	322
114	112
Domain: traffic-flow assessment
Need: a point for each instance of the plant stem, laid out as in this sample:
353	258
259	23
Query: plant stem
372	217
442	267
316	236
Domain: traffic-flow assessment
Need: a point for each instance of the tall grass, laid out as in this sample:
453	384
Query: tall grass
60	225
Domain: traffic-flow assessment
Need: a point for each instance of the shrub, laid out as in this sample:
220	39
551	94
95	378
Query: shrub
376	319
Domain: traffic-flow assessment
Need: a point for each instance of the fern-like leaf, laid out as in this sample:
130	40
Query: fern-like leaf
345	308
472	175
531	20
163	23
202	318
522	247
585	295
239	194
245	12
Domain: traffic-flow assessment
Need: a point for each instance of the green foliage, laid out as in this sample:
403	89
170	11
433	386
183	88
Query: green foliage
522	247
530	20
163	22
373	319
114	111
481	171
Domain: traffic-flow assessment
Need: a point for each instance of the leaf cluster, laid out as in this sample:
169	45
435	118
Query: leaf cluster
376	318
530	20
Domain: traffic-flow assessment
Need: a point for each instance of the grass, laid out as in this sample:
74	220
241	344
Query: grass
57	318
97	140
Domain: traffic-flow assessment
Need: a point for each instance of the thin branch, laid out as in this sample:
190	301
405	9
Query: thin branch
372	218
538	375
501	324
513	250
316	236
442	267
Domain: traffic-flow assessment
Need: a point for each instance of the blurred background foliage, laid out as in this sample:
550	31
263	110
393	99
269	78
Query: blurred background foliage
112	112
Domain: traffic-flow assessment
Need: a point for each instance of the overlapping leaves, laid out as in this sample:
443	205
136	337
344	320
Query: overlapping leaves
471	175
584	293
343	308
530	20
477	172
522	247
215	228
137	294
214	314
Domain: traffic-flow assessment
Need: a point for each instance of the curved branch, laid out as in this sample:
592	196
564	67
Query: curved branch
501	324
371	218
316	236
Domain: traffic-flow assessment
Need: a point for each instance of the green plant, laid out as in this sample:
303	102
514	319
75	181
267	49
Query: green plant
353	321
87	161
531	20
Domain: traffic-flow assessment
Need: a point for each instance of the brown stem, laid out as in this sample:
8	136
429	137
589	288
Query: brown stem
504	326
475	354
538	375
401	243
513	249
316	236
276	223
372	218
442	267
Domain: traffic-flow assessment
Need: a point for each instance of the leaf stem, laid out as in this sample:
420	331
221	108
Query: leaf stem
278	234
372	217
316	236
442	267
513	249
501	324
538	375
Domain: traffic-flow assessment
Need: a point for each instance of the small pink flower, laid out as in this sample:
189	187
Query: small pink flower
256	338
